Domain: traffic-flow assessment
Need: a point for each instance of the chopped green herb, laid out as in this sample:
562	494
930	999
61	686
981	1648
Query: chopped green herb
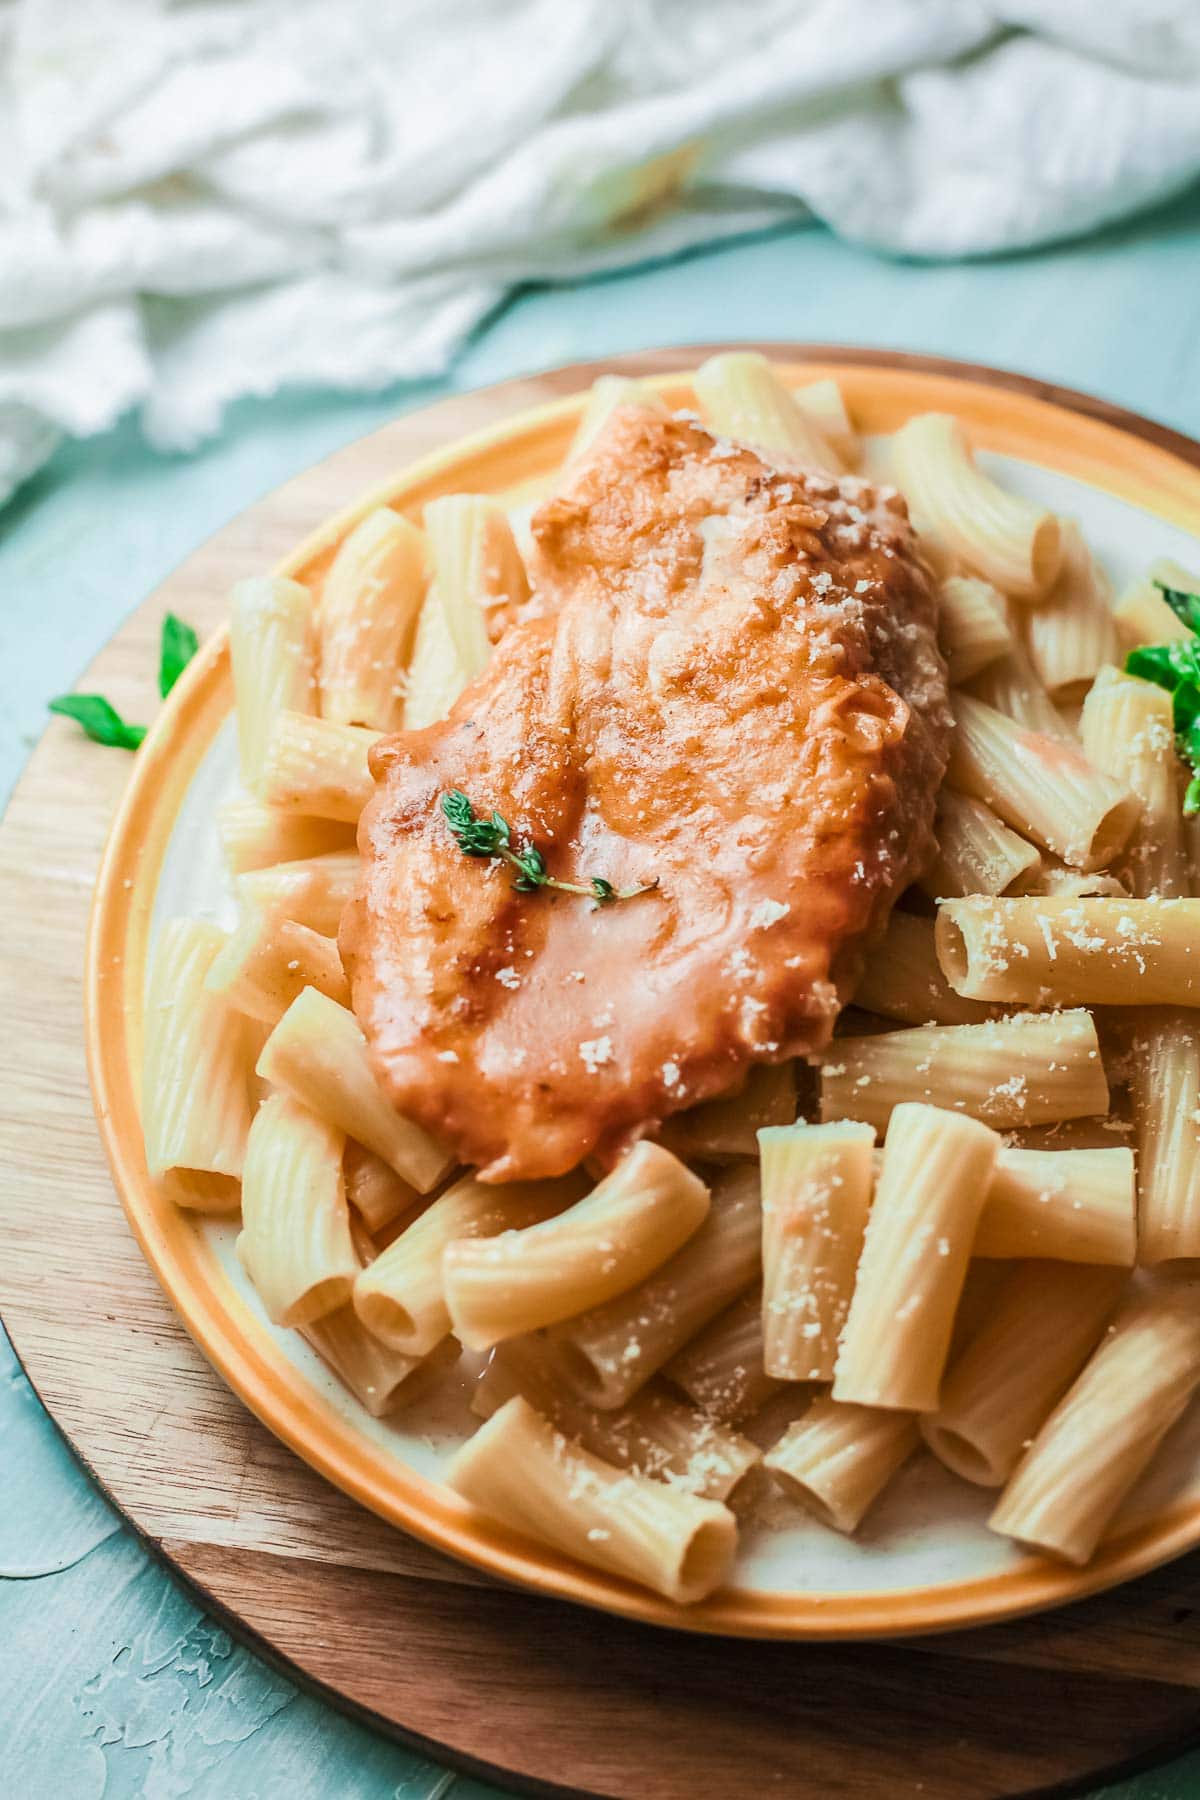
1176	667
179	645
1185	605
477	835
100	720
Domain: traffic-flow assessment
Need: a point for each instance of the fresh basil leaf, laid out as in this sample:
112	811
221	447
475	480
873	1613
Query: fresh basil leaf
1164	664
179	645
1191	798
100	720
1185	707
1185	605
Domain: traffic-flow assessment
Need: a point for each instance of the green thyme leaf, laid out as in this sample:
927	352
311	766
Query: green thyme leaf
178	646
478	836
100	720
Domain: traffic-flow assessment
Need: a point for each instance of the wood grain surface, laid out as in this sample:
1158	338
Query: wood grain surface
538	1695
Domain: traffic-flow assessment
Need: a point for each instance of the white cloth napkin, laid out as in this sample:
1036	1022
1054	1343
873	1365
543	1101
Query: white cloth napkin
203	199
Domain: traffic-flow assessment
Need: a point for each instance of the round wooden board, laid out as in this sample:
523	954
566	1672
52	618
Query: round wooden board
538	1695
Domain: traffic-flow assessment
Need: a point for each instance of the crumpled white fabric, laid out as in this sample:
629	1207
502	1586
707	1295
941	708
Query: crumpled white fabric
204	199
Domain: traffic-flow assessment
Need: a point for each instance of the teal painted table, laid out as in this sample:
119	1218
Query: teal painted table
112	1682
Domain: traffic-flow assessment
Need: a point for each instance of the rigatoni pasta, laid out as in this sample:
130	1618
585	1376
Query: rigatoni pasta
976	852
1077	1204
609	1352
1007	539
1072	952
606	393
655	1435
1071	634
972	628
816	1194
311	891
726	1130
1040	784
722	1368
837	1458
254	836
271	649
401	1297
603	1245
315	767
370	601
742	398
1165	1087
1101	1436
1040	1330
436	674
1029	1069
381	1380
295	1242
518	1469
1128	730
937	1168
318	1054
196	1078
902	979
474	565
268	962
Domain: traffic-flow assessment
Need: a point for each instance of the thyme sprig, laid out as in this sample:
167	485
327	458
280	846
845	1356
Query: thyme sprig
477	835
1176	667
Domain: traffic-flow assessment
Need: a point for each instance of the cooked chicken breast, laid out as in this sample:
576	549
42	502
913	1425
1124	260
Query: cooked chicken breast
726	683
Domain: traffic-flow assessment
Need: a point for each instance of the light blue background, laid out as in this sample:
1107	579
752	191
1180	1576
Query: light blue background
112	1683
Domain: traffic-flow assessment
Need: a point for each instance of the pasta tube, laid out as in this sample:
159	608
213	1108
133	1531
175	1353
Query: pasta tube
254	836
475	564
822	403
368	613
271	649
721	1370
312	891
1053	877
521	1471
972	628
1046	787
1143	616
1128	730
937	1168
436	674
1102	1435
605	1244
742	398
377	1194
1072	633
1166	1110
1077	1206
1012	686
902	979
816	1193
380	1379
722	1130
655	1435
608	392
608	1353
295	1241
1069	952
976	852
315	767
319	1056
401	1297
1007	539
269	960
1024	1070
837	1459
1044	1324
195	1082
